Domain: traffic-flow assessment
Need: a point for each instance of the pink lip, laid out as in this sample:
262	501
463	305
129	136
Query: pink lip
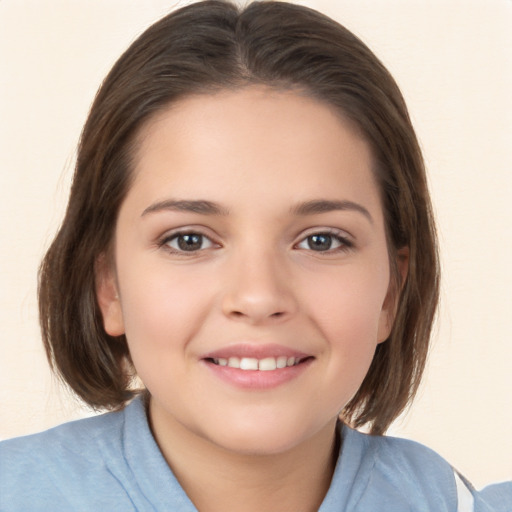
255	350
256	380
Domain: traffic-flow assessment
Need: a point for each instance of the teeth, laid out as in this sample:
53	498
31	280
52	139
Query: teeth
234	362
269	363
248	363
281	362
251	363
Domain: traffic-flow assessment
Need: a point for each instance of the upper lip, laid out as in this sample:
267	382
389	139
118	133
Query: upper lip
254	350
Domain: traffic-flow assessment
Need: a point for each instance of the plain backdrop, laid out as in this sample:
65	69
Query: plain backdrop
453	61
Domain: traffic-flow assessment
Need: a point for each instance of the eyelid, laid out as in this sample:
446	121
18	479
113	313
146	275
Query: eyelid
163	241
321	230
345	239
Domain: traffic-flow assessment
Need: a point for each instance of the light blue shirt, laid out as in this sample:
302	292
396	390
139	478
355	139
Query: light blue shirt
112	463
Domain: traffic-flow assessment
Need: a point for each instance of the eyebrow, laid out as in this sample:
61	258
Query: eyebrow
324	206
202	207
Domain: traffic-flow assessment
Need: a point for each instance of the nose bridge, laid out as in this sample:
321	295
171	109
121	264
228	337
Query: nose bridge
259	286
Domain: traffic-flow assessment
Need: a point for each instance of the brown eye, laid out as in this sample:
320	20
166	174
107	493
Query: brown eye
325	242
189	242
319	242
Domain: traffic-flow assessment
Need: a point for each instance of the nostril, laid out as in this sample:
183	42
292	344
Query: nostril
241	314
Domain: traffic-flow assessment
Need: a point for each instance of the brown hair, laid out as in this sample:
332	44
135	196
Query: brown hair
213	45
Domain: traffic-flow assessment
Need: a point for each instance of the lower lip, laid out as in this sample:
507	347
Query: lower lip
257	379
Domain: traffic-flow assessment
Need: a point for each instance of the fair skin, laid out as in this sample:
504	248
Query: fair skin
253	235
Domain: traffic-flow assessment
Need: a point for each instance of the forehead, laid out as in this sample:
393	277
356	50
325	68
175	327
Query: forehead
247	113
255	141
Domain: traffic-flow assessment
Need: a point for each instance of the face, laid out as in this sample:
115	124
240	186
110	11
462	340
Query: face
251	272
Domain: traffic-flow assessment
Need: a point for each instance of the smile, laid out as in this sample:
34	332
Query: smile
251	363
257	366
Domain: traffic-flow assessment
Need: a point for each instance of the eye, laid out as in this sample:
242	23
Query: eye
188	242
323	242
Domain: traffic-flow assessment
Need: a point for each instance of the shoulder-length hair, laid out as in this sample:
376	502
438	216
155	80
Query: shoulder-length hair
214	45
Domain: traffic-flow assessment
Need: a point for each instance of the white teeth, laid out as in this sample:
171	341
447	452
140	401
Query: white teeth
281	361
269	363
251	363
234	362
248	363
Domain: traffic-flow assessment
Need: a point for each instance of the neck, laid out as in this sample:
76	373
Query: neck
217	480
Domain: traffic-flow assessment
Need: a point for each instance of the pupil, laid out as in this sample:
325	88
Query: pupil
320	242
190	242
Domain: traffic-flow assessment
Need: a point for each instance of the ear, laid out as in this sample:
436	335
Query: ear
390	306
108	296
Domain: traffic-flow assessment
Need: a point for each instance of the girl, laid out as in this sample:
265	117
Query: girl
249	233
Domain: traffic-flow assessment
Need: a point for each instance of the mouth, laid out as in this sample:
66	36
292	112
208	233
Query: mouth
257	366
254	364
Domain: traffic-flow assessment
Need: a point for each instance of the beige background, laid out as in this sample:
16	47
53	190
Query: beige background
453	60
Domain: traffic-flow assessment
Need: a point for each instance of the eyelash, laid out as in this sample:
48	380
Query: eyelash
345	244
164	243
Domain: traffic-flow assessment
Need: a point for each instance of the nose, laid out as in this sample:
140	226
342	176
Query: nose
258	289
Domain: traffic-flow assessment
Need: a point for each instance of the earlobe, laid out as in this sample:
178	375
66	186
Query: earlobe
390	306
108	297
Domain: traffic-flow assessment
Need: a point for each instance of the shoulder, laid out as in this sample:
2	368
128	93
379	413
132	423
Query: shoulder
62	465
407	474
388	473
79	441
406	459
424	468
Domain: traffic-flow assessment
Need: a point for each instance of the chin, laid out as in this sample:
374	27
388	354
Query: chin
261	437
259	445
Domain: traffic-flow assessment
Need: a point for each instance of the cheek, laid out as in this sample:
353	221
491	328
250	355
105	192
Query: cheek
348	303
162	307
162	316
347	309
